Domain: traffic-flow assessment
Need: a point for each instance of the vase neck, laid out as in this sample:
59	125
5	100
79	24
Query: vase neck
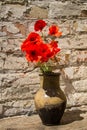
50	81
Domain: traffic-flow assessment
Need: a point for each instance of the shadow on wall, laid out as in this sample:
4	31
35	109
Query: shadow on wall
71	116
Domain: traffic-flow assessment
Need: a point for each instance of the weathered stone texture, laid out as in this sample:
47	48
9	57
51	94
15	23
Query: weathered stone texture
66	9
18	83
76	72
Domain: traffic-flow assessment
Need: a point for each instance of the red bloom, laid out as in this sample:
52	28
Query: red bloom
32	39
33	54
45	52
25	45
54	47
54	30
39	25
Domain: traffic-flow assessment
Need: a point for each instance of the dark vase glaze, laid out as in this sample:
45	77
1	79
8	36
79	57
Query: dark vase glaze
50	100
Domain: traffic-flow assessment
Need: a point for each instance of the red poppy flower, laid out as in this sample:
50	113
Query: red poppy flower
34	38
39	25
54	48
45	53
54	30
25	45
31	40
33	54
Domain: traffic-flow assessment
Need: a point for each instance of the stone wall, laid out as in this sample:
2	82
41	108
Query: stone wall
17	89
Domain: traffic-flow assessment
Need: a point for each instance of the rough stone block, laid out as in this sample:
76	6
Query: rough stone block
78	57
1	110
76	43
80	86
13	29
61	9
76	72
37	12
14	89
73	27
12	12
18	64
77	99
72	57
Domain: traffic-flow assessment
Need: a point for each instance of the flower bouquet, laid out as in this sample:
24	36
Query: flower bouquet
41	46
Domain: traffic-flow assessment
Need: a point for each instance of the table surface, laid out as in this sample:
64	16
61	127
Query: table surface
73	119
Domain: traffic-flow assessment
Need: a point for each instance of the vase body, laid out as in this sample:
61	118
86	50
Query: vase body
50	101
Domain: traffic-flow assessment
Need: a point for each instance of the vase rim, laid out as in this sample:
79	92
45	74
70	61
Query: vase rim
50	74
